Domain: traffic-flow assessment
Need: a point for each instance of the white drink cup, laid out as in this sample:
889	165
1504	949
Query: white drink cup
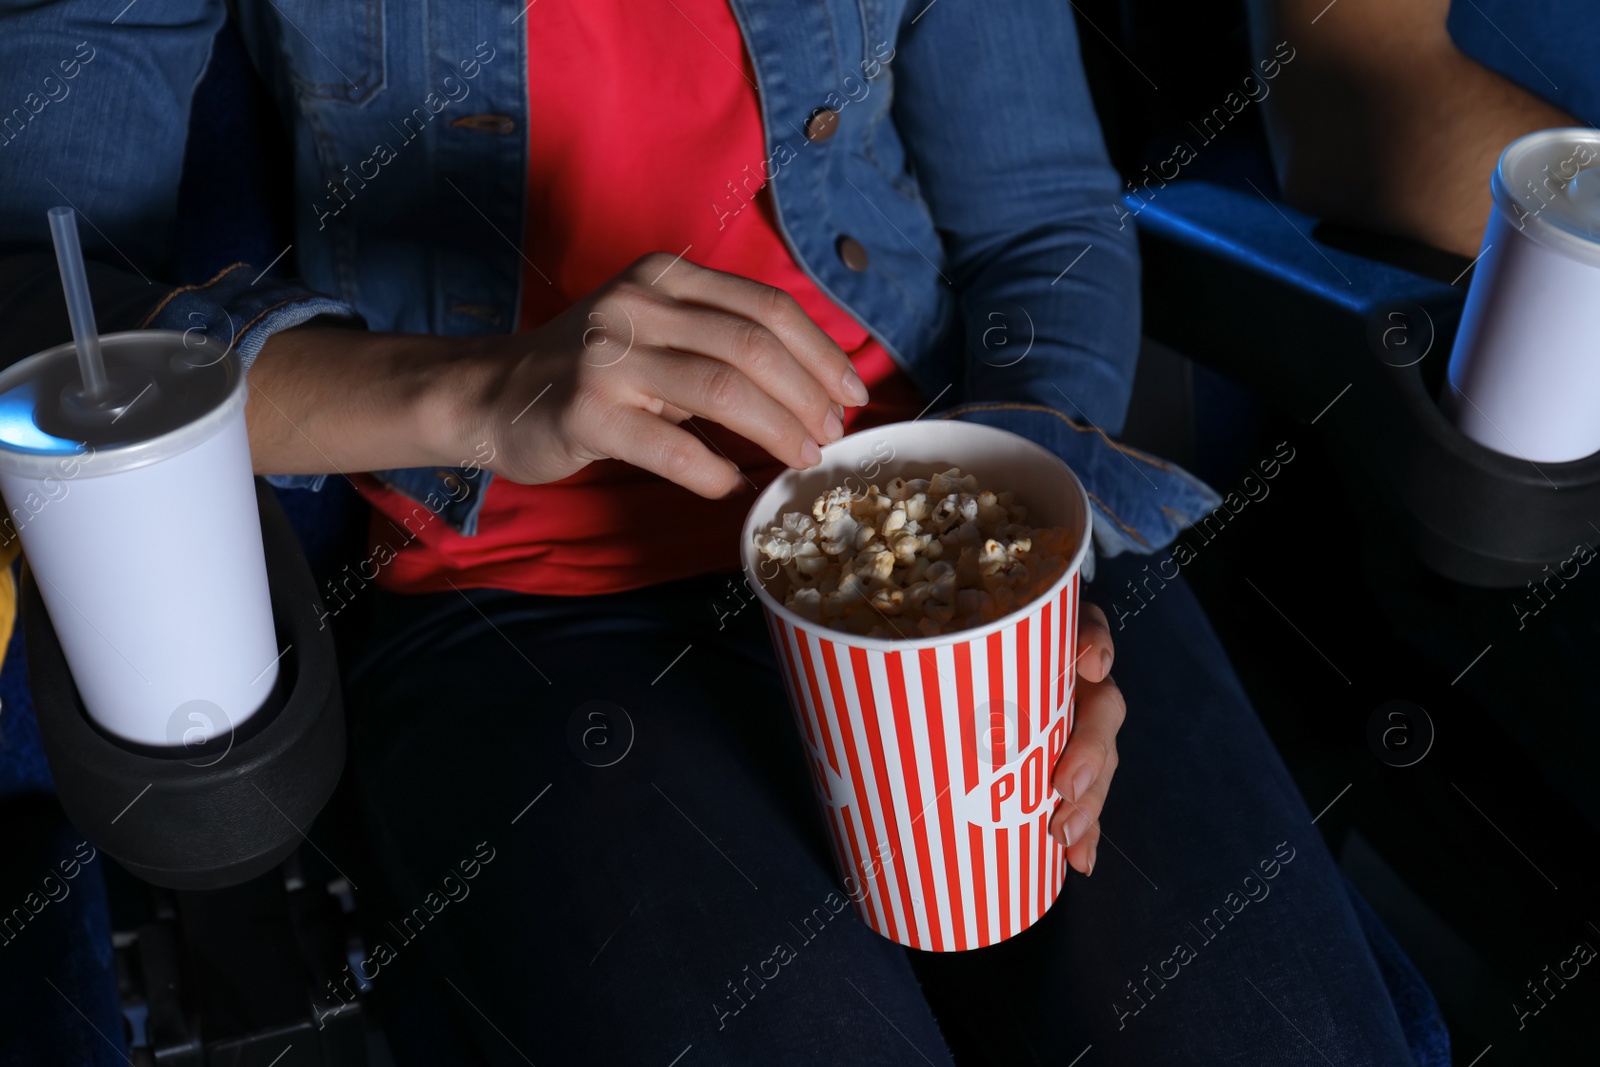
141	528
1524	379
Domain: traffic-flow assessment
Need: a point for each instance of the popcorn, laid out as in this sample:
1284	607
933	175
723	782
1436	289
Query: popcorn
918	557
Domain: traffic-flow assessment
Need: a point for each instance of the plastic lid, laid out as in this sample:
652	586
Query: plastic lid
1548	186
183	387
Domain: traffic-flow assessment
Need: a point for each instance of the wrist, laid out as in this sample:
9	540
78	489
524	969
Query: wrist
326	400
449	397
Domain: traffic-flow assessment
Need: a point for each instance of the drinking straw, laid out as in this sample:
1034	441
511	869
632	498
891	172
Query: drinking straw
75	283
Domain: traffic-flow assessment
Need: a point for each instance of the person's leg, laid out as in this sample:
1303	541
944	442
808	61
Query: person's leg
650	872
1215	928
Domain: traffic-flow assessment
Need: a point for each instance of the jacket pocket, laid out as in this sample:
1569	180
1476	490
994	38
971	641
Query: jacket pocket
334	51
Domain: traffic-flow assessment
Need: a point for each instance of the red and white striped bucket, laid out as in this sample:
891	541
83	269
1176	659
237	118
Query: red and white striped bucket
932	756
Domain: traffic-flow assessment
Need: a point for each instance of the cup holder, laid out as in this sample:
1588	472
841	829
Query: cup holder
217	814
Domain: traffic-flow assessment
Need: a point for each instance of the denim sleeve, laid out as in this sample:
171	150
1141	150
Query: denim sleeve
96	101
1009	157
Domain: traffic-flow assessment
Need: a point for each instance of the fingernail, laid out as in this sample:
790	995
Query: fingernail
854	388
832	428
1105	662
838	409
810	454
1082	779
1094	853
1077	826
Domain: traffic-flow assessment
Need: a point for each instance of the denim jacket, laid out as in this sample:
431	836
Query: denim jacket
966	161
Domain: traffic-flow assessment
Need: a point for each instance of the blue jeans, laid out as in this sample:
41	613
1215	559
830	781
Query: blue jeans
658	883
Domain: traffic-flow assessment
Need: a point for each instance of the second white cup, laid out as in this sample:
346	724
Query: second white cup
1523	376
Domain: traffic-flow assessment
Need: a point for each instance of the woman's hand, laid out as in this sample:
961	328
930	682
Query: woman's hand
1083	772
614	376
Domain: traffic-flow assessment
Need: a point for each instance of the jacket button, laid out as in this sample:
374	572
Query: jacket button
501	124
851	254
489	313
822	124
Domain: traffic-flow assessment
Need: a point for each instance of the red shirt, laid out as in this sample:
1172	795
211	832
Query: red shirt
647	138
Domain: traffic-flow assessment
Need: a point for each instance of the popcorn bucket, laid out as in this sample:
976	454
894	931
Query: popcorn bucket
932	756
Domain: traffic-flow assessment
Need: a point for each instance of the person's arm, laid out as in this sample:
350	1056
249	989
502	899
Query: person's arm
1381	122
993	107
614	376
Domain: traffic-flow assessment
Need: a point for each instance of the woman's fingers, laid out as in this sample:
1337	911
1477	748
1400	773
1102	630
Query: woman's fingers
650	442
1083	772
772	308
756	351
1080	826
1099	715
723	393
1095	648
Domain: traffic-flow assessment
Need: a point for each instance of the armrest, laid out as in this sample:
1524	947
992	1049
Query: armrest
1237	282
1240	284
